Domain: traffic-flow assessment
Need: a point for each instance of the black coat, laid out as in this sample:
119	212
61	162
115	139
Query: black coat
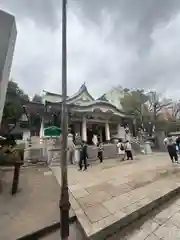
83	152
178	141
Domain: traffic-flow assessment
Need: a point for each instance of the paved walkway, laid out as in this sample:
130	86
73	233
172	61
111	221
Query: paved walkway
161	224
34	207
107	192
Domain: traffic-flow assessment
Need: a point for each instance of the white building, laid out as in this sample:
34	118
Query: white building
87	116
8	35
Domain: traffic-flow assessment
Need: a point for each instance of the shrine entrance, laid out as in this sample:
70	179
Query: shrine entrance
95	129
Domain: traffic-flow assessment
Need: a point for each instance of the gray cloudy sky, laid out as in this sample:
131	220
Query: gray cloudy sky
133	43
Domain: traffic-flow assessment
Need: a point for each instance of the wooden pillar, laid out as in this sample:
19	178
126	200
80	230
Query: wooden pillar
107	131
84	129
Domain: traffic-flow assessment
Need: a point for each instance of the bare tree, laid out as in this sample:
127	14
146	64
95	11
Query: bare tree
176	110
156	104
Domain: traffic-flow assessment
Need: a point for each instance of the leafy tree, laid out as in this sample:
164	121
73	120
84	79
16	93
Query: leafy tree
37	98
15	99
126	90
13	91
133	103
146	109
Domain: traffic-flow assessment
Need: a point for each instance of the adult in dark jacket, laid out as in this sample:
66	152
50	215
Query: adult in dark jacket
100	151
83	156
171	147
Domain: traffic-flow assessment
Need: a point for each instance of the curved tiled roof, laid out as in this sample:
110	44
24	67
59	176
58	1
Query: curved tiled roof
82	89
80	106
102	102
52	94
98	103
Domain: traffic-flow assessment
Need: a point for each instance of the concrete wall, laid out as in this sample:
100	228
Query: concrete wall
8	35
26	135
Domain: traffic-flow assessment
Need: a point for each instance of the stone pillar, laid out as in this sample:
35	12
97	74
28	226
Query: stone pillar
26	135
101	136
41	134
84	130
107	131
120	131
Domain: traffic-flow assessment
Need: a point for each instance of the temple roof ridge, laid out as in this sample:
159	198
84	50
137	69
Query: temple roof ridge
53	94
82	89
83	98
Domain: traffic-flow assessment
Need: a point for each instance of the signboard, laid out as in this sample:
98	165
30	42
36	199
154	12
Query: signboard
52	131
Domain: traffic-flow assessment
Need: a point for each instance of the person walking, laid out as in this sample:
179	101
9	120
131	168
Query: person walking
178	144
171	147
71	148
128	150
100	151
121	150
83	156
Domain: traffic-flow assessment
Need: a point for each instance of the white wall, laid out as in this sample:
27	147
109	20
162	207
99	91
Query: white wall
26	135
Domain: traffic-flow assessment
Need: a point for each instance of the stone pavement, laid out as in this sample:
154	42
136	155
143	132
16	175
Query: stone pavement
34	207
74	234
161	224
108	193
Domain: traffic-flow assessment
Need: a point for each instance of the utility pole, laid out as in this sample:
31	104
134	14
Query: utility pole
64	195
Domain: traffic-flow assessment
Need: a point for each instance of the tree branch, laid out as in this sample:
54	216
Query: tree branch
159	108
138	110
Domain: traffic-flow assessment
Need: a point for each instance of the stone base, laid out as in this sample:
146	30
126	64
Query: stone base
110	151
33	154
133	213
111	195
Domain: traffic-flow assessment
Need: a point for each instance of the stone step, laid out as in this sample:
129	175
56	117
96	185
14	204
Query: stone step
127	208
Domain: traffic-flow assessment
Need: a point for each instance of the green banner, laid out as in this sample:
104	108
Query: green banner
52	131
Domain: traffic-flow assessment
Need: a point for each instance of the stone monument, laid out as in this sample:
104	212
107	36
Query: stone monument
8	35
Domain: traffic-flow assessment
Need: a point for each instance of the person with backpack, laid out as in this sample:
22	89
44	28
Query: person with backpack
121	149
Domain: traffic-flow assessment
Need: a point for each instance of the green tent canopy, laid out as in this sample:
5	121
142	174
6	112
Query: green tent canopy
52	131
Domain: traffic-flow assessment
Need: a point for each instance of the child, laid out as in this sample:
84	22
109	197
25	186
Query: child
128	149
121	150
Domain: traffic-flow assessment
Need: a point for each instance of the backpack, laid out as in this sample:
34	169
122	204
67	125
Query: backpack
122	147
